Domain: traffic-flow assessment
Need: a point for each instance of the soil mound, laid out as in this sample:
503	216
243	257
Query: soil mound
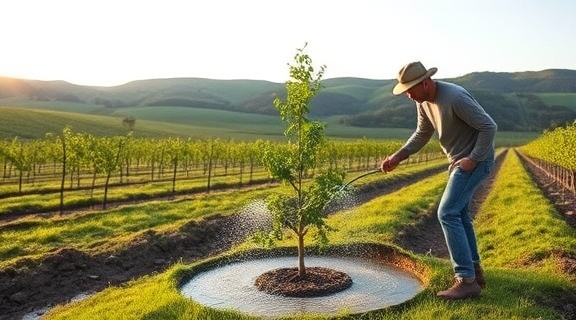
318	281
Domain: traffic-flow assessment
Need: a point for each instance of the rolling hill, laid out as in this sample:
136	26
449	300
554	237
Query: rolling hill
522	101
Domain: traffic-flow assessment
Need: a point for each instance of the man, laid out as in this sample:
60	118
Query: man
466	134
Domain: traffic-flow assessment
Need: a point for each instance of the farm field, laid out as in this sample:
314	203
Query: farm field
164	212
36	122
169	247
113	198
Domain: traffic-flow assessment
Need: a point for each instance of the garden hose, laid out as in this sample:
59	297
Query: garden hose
360	176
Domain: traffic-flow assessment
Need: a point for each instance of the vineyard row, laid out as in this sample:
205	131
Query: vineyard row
77	161
555	152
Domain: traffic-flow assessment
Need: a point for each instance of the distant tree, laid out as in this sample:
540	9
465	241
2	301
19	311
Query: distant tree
129	122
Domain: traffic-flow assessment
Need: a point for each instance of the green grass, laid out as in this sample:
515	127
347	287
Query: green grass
244	123
34	237
516	209
31	123
138	299
49	199
157	297
381	219
516	287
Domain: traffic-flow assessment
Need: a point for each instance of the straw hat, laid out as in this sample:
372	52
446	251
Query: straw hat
410	75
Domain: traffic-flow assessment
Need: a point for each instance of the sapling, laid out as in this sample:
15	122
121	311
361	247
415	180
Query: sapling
304	208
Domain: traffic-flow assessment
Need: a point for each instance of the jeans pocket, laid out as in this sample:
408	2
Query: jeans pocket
459	171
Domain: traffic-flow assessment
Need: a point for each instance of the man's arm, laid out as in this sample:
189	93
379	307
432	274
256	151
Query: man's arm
419	138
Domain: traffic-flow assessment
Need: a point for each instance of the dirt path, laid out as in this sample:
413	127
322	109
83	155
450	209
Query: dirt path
426	237
67	273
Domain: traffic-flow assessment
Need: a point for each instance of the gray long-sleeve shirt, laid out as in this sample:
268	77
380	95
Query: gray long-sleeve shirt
464	128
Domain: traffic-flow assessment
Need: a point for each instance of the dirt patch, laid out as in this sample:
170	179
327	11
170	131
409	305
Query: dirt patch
317	281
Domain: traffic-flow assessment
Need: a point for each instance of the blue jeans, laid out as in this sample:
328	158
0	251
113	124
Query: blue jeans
454	217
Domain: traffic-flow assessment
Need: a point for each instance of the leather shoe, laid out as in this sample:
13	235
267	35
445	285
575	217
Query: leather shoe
462	289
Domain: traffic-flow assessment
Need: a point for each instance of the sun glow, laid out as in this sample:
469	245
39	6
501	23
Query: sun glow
112	42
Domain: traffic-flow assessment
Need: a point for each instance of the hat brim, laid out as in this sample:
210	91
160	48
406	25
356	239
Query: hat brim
400	88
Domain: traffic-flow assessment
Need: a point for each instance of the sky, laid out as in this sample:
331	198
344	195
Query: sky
112	42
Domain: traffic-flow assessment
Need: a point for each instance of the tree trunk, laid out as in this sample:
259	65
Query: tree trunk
301	267
63	179
105	201
174	175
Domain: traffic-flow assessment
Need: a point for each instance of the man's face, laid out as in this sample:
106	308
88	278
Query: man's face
419	92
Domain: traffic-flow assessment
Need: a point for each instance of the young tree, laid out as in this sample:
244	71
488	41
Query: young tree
291	162
107	154
19	154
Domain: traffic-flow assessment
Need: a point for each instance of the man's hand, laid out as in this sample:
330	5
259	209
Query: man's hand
465	164
390	163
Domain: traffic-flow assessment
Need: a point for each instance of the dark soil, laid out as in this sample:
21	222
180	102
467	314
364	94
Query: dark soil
317	282
67	273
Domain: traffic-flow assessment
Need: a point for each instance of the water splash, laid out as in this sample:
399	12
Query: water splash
254	217
347	197
343	200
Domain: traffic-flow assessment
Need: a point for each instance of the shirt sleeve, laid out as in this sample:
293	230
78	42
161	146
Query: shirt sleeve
420	137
